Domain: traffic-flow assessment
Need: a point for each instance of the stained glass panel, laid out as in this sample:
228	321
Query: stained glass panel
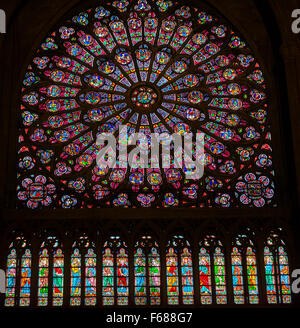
187	282
43	278
155	68
205	276
172	277
220	276
90	277
252	276
25	284
75	292
122	277
237	276
270	276
11	276
58	277
108	277
140	277
154	276
285	284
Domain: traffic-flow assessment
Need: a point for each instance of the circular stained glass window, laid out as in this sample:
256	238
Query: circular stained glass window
156	67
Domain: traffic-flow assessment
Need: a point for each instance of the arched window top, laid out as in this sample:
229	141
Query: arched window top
83	242
178	241
243	241
51	242
19	242
275	239
115	242
210	242
155	67
147	243
277	269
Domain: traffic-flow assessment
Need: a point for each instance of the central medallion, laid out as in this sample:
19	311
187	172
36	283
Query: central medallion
144	97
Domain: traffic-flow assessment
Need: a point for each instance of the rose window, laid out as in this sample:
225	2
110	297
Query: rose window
155	67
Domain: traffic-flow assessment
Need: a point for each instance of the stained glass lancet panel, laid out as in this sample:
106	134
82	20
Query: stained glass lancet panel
115	272
244	269
180	286
284	274
108	277
147	272
172	277
25	284
122	277
90	277
220	276
75	293
99	70
270	276
205	276
58	277
11	278
237	276
277	273
252	276
43	283
140	277
154	276
212	271
187	281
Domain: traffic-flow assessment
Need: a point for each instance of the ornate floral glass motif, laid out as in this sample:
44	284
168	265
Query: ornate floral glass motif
25	283
154	67
11	276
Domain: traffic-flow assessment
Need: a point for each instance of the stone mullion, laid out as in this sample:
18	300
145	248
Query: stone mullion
34	271
163	273
196	276
180	289
50	275
83	252
211	251
243	251
67	272
98	252
20	252
228	270
131	272
4	250
261	277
